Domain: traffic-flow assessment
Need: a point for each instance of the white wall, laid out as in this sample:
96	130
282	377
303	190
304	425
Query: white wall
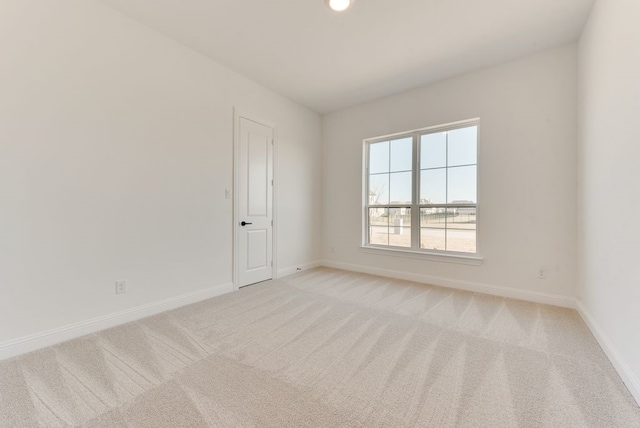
115	150
609	176
527	172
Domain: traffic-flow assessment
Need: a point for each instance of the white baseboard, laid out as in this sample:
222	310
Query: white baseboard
494	290
293	269
628	377
41	340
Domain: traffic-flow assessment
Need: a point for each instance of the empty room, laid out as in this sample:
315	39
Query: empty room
319	213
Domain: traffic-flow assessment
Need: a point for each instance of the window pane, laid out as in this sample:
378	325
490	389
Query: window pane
462	184
400	227
463	146
433	150
378	235
432	239
463	241
401	188
379	189
433	218
433	186
379	157
401	154
379	226
462	218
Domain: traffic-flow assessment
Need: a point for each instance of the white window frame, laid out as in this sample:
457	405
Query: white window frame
417	253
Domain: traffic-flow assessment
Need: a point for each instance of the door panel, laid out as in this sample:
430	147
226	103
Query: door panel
255	202
257	180
256	249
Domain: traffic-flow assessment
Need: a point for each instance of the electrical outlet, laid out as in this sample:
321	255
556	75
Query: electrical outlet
121	287
542	272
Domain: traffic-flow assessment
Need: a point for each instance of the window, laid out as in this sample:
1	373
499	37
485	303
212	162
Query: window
421	190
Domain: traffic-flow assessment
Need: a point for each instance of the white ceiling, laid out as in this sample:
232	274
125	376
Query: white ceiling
327	61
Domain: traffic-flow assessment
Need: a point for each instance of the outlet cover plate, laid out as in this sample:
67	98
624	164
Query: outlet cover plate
121	287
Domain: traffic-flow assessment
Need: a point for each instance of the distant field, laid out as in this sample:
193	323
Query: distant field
397	232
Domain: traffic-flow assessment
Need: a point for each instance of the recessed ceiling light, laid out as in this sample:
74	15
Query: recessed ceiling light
338	5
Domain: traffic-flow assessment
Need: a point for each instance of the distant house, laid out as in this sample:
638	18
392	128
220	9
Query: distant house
462	210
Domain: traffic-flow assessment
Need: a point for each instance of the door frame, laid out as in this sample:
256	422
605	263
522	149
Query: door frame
237	115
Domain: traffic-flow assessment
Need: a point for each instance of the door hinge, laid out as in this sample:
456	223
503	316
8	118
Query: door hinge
271	263
272	182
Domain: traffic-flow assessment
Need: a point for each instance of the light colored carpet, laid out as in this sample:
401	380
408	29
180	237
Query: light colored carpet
327	348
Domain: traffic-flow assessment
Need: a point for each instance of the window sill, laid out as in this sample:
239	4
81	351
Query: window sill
464	259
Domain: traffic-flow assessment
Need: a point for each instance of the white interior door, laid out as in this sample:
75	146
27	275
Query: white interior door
254	202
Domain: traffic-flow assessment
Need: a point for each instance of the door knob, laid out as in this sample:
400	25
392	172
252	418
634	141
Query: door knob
244	223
